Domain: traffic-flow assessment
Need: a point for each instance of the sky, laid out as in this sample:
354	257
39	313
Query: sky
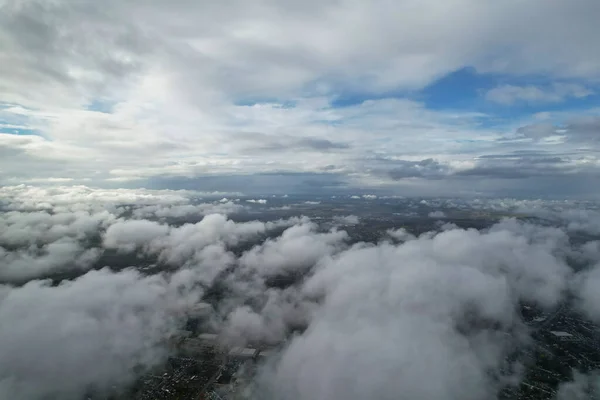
432	98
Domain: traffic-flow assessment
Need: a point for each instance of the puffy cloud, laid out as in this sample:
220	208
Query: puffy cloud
129	235
57	229
429	304
22	228
79	198
257	201
187	210
586	292
401	234
436	214
32	262
297	249
91	332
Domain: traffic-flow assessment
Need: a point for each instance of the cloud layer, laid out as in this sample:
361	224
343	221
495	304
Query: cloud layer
358	319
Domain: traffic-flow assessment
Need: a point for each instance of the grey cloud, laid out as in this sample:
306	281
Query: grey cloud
586	292
33	261
578	129
521	166
436	214
263	142
428	168
400	234
47	48
321	144
510	94
582	387
45	40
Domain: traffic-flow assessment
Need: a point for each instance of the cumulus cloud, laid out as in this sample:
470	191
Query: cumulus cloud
586	292
32	262
187	210
257	201
425	305
436	214
48	230
89	333
297	249
401	234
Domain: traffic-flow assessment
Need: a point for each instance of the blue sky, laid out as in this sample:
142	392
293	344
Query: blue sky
448	97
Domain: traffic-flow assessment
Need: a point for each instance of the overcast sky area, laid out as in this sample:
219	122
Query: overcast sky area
453	97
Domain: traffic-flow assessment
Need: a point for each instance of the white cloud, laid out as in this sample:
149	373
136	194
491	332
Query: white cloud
294	252
436	214
257	201
169	94
98	328
405	306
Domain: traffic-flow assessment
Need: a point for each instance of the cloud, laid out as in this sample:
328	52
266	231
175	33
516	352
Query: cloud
445	302
586	293
187	210
582	129
580	388
436	214
60	255
428	168
98	328
412	307
59	229
510	94
294	252
257	201
185	95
